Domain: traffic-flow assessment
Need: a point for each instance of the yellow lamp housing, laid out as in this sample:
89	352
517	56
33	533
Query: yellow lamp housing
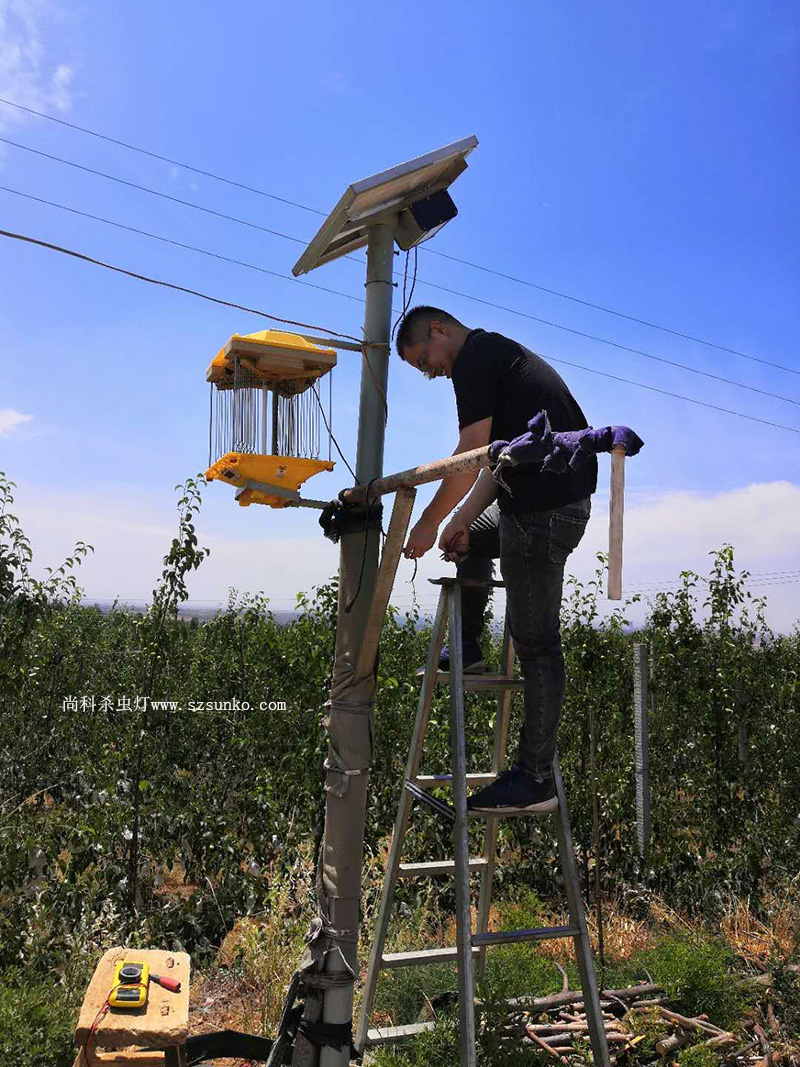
264	436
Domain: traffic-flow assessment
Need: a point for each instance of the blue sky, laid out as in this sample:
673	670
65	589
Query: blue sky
642	158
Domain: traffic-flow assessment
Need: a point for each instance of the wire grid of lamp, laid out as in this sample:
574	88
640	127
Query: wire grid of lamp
264	418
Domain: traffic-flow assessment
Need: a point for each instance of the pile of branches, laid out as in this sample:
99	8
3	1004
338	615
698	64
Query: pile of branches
558	1025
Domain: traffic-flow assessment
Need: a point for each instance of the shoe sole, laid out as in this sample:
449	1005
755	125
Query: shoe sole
541	807
473	668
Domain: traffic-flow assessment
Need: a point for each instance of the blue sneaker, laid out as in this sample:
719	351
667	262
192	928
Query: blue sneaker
513	792
473	659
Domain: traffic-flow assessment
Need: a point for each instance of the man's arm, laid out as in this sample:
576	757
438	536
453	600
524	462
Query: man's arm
450	492
454	541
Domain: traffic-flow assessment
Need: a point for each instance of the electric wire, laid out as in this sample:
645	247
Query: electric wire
179	244
612	311
163	159
365	345
615	344
173	285
432	251
154	192
406	300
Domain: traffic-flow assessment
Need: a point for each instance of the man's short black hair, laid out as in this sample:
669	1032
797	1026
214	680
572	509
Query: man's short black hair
416	321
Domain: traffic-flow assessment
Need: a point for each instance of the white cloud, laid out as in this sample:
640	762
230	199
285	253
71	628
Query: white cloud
28	74
10	420
663	536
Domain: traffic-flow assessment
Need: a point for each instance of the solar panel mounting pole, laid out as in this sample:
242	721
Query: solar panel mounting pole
337	1004
373	212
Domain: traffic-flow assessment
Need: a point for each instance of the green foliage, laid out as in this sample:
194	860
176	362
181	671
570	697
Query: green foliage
695	973
698	1056
37	1022
162	827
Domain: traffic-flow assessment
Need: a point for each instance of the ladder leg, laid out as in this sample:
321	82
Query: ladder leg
466	975
493	825
401	822
577	915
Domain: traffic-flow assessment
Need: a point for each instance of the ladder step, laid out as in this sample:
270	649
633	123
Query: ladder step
542	933
483	682
434	781
385	1034
421	956
440	866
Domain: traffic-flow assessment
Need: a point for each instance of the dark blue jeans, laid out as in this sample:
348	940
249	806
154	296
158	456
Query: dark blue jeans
533	549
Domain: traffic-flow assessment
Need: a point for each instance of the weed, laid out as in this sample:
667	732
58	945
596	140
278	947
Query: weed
694	972
36	1023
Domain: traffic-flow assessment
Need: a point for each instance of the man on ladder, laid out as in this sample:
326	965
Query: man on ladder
532	526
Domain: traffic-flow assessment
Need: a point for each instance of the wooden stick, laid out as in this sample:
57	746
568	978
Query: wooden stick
615	513
395	537
691	1023
555	1000
540	1041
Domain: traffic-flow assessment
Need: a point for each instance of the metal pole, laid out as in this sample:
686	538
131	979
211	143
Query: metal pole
641	730
337	1005
274	421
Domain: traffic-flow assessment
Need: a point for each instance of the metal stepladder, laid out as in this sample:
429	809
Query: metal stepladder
470	949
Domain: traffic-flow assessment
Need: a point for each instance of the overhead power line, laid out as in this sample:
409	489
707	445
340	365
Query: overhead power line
172	285
180	244
163	159
612	311
453	292
275	318
443	255
153	192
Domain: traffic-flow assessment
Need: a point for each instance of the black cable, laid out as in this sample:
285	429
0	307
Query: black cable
432	251
171	285
677	396
406	300
332	438
163	159
154	192
610	311
620	347
264	314
180	244
433	285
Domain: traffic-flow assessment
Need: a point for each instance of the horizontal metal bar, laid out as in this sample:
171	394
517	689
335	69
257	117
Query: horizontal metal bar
329	342
386	1034
509	937
422	956
273	490
440	866
434	781
482	682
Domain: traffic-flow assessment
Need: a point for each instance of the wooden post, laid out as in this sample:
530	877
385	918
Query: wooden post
615	513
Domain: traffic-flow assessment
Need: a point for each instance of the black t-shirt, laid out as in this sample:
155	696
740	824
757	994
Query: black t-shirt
495	377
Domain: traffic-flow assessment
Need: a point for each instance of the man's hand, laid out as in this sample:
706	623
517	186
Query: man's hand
421	539
454	541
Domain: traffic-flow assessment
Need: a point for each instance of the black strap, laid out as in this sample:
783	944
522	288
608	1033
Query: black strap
336	1035
337	518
